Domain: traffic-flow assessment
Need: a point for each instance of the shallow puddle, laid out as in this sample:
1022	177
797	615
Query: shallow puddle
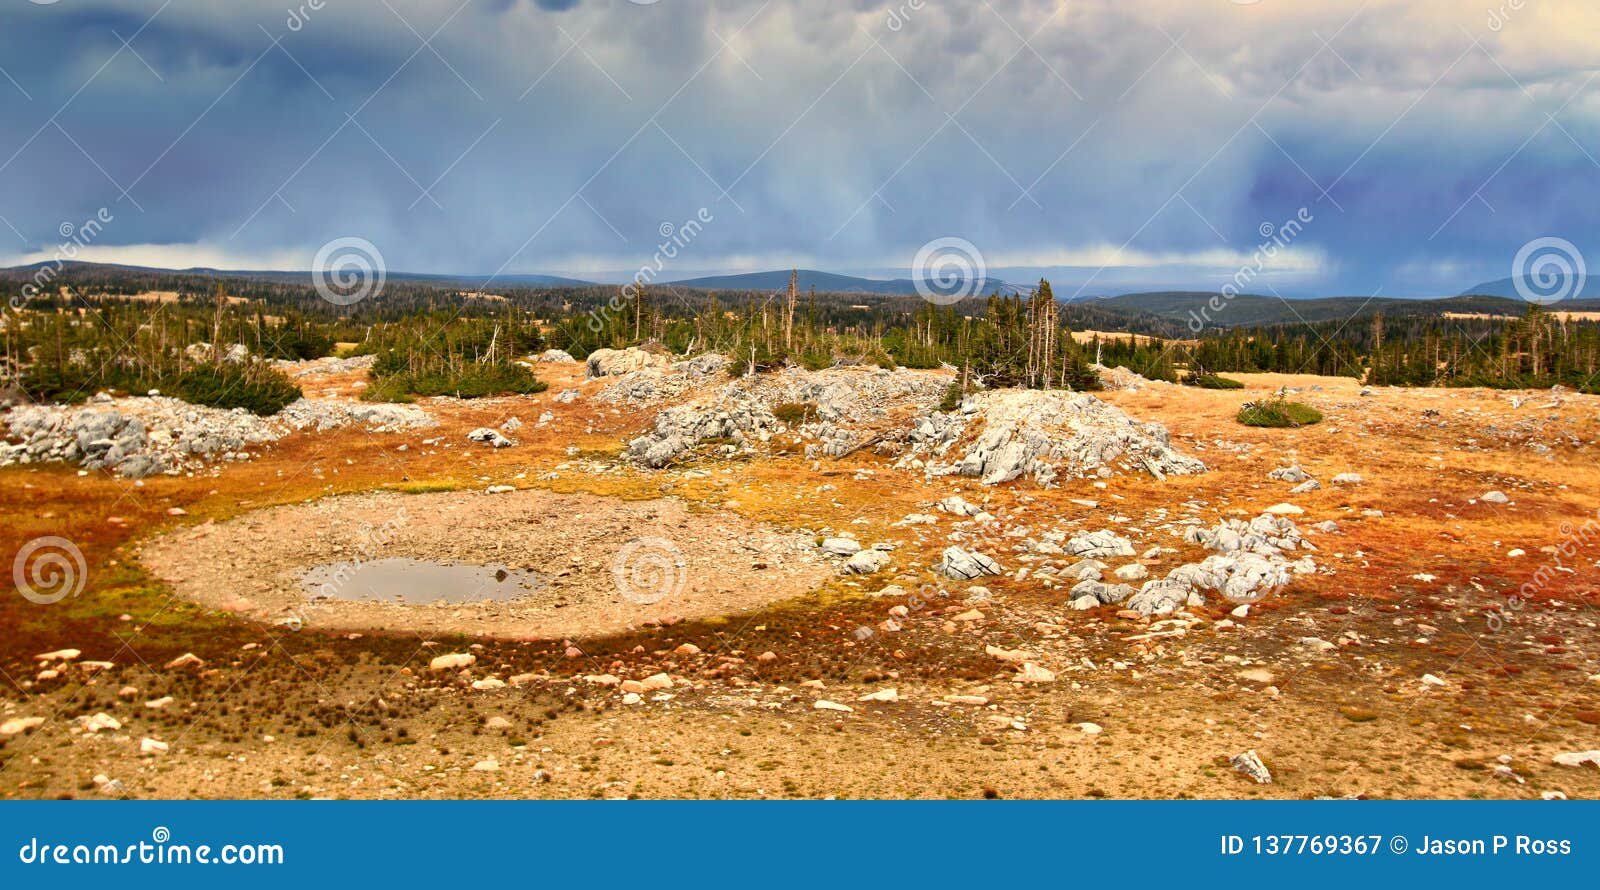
418	581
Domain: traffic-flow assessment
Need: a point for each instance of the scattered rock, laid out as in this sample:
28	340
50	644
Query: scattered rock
452	662
965	565
840	546
1250	764
19	725
1578	758
490	437
186	660
866	562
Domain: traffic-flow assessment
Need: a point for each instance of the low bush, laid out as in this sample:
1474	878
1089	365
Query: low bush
1278	412
468	381
795	413
1212	381
953	394
254	386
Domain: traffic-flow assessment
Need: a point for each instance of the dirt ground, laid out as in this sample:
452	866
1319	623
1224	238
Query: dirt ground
1445	648
673	563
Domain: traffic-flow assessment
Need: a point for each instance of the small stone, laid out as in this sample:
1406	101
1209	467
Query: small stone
1132	572
840	546
866	562
823	704
1250	764
1032	673
455	661
98	722
19	725
186	660
152	747
1578	758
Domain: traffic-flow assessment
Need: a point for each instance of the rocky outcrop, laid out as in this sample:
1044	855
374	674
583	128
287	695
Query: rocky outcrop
617	362
142	436
846	409
1250	564
1042	436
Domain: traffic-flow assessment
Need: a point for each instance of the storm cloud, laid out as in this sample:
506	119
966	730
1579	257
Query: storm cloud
1148	142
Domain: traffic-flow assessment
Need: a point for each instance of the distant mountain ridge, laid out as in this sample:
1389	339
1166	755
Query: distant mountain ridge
509	280
1192	310
1507	287
829	282
1208	309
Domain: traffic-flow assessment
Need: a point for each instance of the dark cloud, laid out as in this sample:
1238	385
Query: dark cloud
558	136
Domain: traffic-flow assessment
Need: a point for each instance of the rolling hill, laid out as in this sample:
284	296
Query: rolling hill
825	282
1246	310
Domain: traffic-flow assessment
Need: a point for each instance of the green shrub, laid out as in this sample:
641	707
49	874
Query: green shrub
952	397
1212	381
795	413
72	383
256	387
1278	412
816	360
470	381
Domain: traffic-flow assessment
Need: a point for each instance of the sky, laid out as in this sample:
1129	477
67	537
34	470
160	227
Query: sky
1370	146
